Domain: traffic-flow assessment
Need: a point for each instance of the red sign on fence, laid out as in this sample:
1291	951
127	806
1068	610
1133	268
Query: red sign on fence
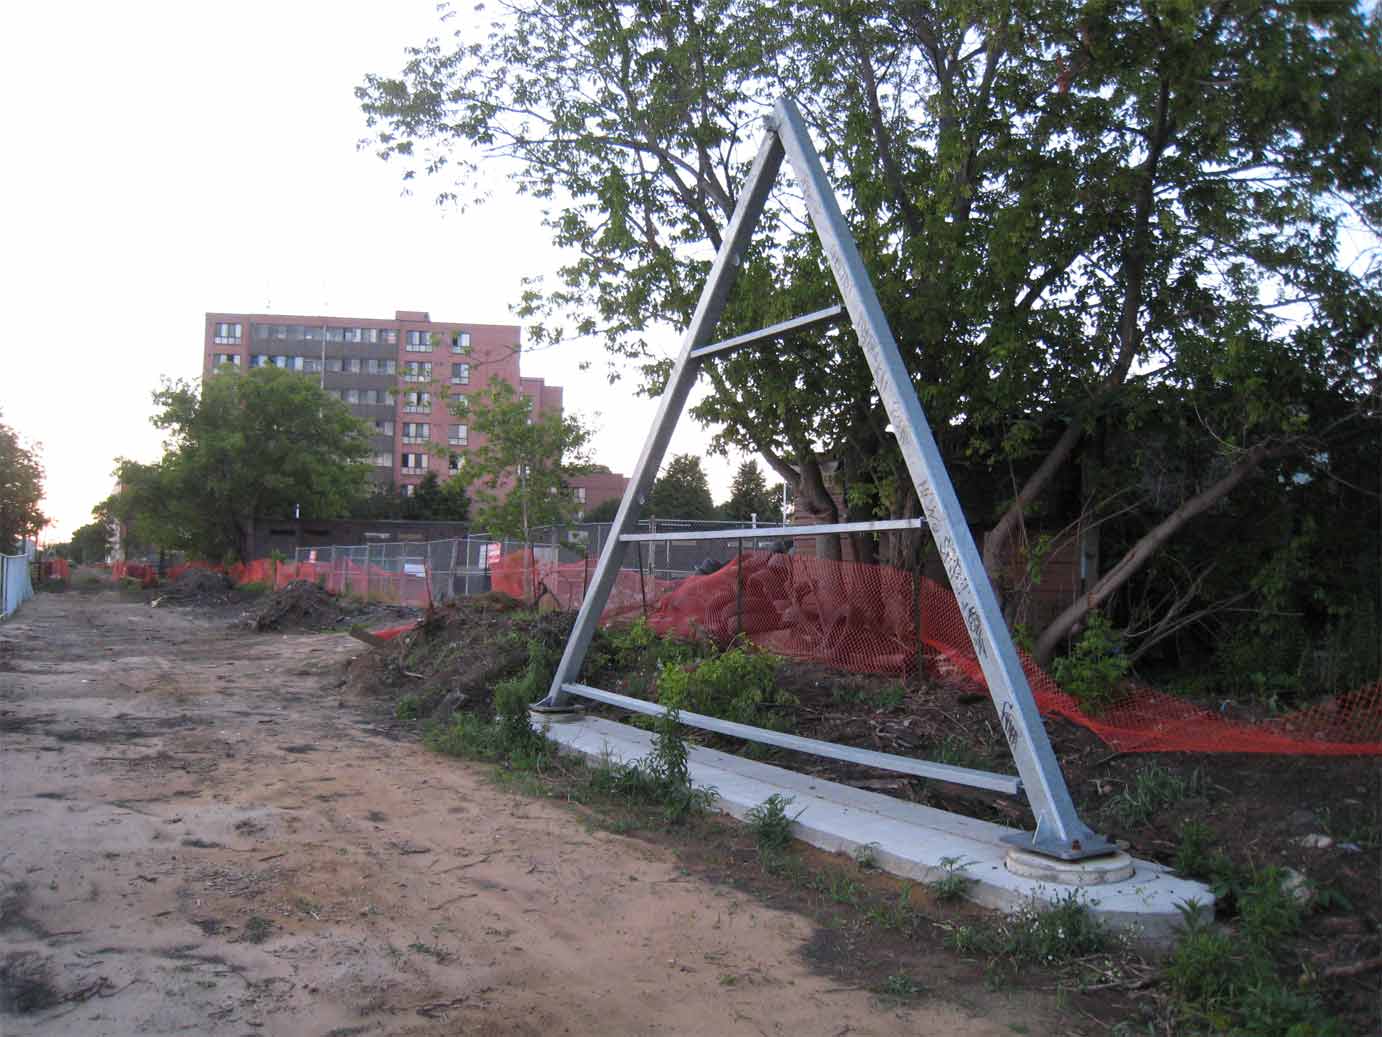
493	552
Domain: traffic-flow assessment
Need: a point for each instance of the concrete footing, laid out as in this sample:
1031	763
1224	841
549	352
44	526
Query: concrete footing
914	841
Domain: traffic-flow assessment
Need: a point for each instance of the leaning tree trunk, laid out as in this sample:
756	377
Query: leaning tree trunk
1138	555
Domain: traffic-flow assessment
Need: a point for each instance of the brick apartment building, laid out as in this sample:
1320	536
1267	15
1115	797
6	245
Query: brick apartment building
395	375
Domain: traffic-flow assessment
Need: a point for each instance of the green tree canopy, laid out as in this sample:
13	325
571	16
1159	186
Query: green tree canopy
21	489
749	495
242	446
519	463
681	491
603	512
1081	220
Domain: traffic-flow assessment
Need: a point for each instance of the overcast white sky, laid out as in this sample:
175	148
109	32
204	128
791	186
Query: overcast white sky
166	159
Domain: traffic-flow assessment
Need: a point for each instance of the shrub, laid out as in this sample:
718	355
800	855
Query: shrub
771	827
1095	667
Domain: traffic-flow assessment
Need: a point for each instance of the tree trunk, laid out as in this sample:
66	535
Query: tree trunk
1149	544
816	499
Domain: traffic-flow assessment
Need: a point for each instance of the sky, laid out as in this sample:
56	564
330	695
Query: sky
169	159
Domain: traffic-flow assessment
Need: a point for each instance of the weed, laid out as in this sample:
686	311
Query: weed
436	953
1095	667
899	914
1151	789
1193	859
901	986
407	708
957	752
866	856
954	884
771	827
1035	935
257	929
838	885
1227	981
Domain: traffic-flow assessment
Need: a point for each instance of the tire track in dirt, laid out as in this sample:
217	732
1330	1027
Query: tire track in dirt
198	833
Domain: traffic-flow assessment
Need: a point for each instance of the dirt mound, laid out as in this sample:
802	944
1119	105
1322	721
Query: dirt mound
197	587
301	605
454	658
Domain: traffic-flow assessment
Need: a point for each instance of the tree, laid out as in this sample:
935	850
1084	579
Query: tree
90	543
749	495
1077	219
264	443
438	501
519	463
604	511
21	489
682	491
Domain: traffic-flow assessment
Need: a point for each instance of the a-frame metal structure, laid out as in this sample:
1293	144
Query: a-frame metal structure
1059	831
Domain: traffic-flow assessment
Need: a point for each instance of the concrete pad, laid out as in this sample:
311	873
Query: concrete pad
907	839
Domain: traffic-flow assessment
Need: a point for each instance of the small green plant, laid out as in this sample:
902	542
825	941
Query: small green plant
866	856
901	986
1193	859
407	708
954	884
737	685
1151	789
1035	935
1095	667
898	914
838	885
771	827
257	929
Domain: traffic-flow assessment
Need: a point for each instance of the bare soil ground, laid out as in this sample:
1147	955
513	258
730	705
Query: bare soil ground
205	830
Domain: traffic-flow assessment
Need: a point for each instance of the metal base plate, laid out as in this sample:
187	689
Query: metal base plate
1094	845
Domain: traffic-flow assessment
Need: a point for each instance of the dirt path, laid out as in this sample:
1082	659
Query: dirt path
173	789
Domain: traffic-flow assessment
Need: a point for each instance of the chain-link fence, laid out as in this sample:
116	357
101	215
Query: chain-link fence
15	584
462	567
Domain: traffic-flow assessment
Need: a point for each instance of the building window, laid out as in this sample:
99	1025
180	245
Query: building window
261	332
308	363
580	495
460	342
227	333
389	336
335	334
460	374
418	342
460	435
414	464
221	359
333	393
409	489
417	402
383	426
417	371
453	463
383	460
259	360
351	395
416	431
379	365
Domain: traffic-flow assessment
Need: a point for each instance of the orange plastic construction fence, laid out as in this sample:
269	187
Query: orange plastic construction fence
876	619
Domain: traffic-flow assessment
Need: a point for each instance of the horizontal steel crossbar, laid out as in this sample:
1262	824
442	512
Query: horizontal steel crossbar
777	532
829	315
1004	783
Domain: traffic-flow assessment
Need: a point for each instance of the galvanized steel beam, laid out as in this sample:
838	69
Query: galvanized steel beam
1004	783
829	315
